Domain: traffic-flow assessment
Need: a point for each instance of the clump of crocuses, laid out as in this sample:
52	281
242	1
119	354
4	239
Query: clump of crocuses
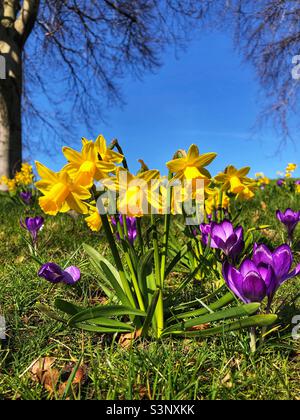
131	227
225	237
262	276
26	197
55	274
290	219
33	225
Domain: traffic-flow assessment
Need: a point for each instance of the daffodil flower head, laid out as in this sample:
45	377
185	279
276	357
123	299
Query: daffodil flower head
94	221
191	165
106	154
61	193
85	166
135	192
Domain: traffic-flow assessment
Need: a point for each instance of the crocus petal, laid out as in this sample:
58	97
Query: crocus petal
234	280
217	231
51	272
282	261
248	266
254	288
71	275
227	227
291	275
262	255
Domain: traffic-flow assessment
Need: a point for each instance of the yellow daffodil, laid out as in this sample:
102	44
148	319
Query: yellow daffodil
298	188
262	180
135	193
191	165
94	221
291	167
107	155
212	202
85	167
61	193
10	183
247	193
233	179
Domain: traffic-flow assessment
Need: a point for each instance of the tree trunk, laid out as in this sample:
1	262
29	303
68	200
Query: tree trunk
10	103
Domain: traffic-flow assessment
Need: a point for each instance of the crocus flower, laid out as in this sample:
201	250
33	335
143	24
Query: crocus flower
131	227
262	276
280	182
33	225
26	197
225	237
55	274
290	219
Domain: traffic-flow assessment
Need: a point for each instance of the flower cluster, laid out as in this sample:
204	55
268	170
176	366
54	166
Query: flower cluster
263	275
97	167
262	180
290	169
22	179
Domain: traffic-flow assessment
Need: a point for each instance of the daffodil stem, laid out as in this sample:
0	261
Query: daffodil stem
159	312
167	223
140	234
117	259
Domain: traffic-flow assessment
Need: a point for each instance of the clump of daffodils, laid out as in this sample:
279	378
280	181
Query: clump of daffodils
290	169
22	179
262	180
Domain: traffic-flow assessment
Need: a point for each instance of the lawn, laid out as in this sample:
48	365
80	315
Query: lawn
220	367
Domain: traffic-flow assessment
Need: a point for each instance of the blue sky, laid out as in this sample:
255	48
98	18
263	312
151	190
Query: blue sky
206	96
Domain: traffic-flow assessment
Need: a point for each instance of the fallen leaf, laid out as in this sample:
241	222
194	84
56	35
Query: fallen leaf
43	372
201	327
126	340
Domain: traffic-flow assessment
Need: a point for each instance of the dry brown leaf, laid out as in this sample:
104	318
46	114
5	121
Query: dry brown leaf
126	340
44	373
263	206
227	381
202	327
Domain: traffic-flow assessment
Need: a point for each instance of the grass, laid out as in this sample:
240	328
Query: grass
217	368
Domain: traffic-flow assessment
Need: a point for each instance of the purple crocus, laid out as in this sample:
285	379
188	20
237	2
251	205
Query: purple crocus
280	183
26	197
131	227
290	219
263	275
224	236
33	225
55	274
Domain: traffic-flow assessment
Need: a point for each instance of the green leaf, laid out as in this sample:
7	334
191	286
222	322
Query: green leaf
236	312
100	329
105	311
67	307
219	304
145	268
49	313
181	253
150	313
108	273
107	322
253	321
